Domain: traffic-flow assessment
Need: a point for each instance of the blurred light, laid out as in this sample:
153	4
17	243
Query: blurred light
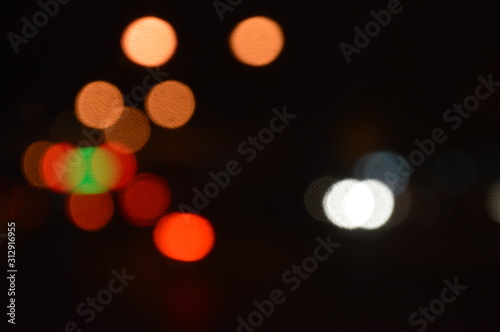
387	167
95	170
90	212
493	201
184	236
170	104
98	168
60	171
131	130
145	199
314	196
383	204
359	204
99	105
28	206
126	164
453	171
105	168
149	41
257	41
354	204
31	163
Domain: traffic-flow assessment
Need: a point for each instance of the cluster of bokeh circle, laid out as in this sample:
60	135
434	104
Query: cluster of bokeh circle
376	195
88	174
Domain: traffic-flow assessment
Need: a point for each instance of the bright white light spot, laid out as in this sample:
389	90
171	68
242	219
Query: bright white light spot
359	204
383	202
334	204
354	204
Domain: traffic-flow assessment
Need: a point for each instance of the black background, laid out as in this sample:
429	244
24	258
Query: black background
395	91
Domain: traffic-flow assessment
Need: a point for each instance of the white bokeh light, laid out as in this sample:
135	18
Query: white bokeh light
383	201
359	204
354	204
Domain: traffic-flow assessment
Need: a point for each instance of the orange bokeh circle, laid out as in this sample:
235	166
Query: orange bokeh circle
184	236
149	41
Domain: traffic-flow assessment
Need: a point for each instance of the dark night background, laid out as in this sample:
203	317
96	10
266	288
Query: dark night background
395	91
